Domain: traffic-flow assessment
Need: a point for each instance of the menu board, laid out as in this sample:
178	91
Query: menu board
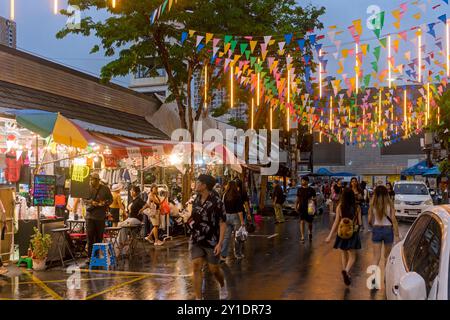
44	190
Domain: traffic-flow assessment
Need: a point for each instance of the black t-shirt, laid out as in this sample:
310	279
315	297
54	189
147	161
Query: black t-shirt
233	205
278	193
136	205
99	195
304	195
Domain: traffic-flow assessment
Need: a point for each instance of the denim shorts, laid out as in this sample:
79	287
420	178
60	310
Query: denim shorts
383	234
199	251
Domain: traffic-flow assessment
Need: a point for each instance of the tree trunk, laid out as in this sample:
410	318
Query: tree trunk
173	84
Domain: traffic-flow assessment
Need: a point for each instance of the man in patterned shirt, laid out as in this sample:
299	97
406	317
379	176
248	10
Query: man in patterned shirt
207	224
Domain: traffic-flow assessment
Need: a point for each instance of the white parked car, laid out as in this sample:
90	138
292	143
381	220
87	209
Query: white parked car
411	198
418	266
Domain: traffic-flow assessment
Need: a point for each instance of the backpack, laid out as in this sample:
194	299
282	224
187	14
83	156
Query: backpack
347	228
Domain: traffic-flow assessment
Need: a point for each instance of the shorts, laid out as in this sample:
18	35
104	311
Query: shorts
199	251
305	216
115	212
383	234
155	220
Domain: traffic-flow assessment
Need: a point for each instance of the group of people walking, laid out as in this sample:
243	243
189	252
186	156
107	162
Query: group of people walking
353	204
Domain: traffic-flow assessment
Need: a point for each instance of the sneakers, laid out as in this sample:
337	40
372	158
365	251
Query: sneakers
223	293
149	239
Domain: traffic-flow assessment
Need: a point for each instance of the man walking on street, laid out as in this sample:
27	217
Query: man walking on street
100	198
207	224
305	194
278	200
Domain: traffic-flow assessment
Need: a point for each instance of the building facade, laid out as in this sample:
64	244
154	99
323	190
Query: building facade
372	164
8	33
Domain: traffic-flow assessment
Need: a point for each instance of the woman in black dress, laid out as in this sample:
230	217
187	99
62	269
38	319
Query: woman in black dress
347	208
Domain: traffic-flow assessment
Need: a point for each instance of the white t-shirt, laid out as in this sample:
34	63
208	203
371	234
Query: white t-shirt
385	221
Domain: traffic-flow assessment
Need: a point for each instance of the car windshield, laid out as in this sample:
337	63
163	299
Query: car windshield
292	193
411	188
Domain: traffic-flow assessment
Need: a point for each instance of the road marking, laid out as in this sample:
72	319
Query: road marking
115	287
41	284
138	273
272	236
85	279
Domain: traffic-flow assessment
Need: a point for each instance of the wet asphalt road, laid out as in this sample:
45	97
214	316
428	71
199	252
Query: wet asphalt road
276	267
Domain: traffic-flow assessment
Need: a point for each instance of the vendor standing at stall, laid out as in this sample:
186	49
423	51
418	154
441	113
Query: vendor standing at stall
100	198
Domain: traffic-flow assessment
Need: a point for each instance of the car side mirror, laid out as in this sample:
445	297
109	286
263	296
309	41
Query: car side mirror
412	287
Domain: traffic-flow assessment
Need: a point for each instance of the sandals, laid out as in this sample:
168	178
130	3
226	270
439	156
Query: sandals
347	278
3	271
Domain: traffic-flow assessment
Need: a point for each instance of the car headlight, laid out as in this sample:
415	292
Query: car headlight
428	202
398	202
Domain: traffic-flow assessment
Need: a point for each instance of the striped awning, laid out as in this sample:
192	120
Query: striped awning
123	147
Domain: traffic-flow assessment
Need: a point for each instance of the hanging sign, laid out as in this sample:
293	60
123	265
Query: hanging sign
44	190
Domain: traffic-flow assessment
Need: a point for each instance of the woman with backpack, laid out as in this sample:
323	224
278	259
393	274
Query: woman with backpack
347	222
383	222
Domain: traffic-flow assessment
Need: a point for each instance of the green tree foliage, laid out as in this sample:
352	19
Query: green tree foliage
128	32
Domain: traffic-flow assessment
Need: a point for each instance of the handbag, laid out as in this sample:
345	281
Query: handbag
165	207
311	207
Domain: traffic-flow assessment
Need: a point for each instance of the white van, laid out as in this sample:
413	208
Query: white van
411	198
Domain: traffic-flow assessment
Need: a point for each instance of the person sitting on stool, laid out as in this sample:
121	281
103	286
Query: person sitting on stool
134	216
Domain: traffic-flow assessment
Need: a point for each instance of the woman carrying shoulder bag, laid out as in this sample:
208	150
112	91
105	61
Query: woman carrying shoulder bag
383	222
347	222
234	219
154	204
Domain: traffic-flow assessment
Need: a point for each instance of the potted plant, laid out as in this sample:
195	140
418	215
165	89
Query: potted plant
40	245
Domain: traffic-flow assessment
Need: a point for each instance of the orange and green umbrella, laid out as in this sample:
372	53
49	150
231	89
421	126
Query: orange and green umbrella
46	124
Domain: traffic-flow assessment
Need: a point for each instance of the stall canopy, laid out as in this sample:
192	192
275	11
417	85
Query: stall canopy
432	172
46	124
328	173
343	174
416	170
324	172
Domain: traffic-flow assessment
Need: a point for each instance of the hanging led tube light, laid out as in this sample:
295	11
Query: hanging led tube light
55	6
231	87
113	3
206	87
379	108
331	113
12	10
389	62
447	40
419	54
405	113
288	100
258	89
357	67
320	74
427	115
